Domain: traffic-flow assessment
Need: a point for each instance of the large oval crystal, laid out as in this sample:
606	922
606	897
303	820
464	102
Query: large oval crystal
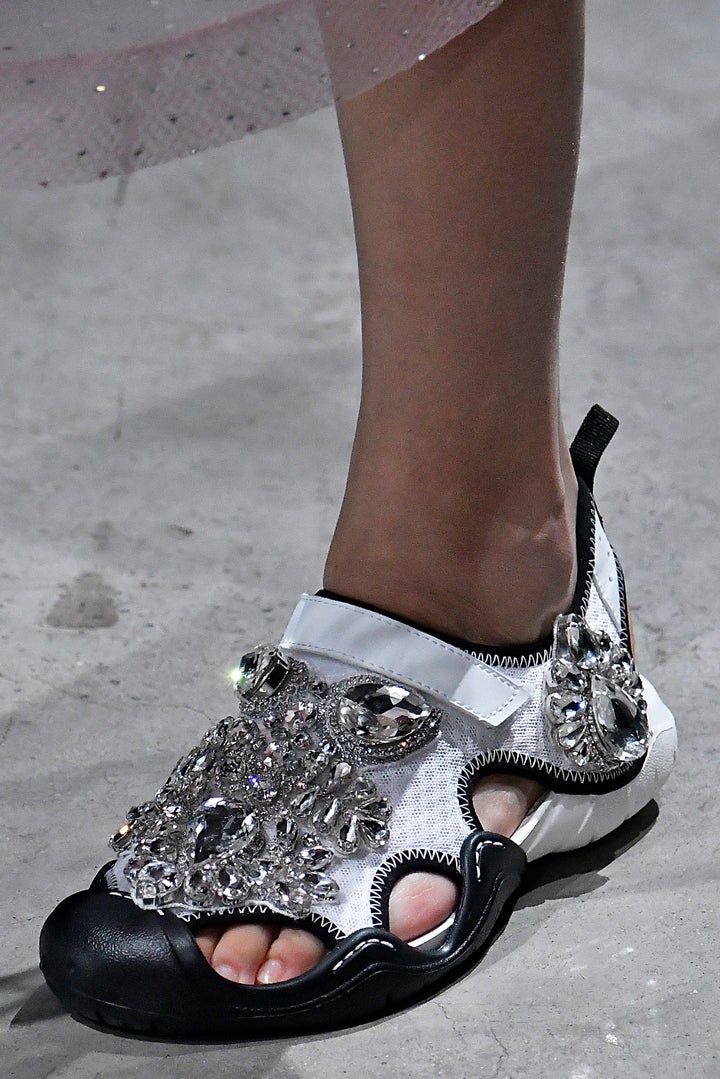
375	714
621	725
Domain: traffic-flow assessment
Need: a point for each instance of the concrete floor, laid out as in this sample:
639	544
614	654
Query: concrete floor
179	379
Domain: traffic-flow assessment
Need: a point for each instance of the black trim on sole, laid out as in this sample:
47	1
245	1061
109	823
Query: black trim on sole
141	972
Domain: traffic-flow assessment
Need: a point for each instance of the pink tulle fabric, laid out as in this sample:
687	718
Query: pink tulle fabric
94	88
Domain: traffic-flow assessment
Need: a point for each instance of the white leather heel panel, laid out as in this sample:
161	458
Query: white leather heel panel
377	643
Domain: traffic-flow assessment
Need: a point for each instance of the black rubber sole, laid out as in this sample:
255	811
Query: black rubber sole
140	973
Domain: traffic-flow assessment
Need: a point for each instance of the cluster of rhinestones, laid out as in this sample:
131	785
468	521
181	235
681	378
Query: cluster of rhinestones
593	697
259	811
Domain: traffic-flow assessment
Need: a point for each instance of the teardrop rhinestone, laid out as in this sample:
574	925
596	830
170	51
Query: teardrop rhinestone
295	897
373	713
314	855
340	773
163	846
231	884
379	810
620	724
122	838
570	735
217	735
324	889
156	883
200	885
304	801
348	839
579	645
221	825
568	675
373	833
286	834
363	789
566	707
583	753
325	817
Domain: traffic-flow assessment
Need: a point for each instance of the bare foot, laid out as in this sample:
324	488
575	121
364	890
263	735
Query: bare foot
260	954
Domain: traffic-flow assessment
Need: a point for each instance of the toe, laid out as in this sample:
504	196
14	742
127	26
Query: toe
207	940
241	951
291	954
502	802
419	902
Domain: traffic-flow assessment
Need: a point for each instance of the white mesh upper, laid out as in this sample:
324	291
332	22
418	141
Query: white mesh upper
423	788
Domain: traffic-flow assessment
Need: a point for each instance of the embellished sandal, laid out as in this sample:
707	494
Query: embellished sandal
353	760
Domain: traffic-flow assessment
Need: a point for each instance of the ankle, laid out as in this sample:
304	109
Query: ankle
502	582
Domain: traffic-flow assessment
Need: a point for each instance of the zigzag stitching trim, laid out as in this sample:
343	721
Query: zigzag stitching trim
312	919
111	879
439	857
525	760
536	659
624	621
510	756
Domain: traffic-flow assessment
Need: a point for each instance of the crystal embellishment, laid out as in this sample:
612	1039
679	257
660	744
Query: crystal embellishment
378	721
593	698
261	672
156	882
263	808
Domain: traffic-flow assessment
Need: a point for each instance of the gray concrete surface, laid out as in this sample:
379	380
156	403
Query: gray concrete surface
179	377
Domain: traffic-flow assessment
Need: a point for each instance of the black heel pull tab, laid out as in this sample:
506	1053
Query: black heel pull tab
591	441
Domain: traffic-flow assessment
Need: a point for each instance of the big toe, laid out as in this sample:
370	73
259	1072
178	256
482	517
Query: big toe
241	951
291	954
252	954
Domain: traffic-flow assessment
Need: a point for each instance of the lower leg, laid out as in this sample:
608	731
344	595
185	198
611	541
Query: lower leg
459	509
460	505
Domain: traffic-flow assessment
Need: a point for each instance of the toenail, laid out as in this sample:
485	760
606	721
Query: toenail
270	972
232	974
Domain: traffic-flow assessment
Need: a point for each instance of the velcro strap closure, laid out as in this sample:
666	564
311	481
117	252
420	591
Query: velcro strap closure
377	643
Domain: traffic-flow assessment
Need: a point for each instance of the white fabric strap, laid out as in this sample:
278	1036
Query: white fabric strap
374	642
